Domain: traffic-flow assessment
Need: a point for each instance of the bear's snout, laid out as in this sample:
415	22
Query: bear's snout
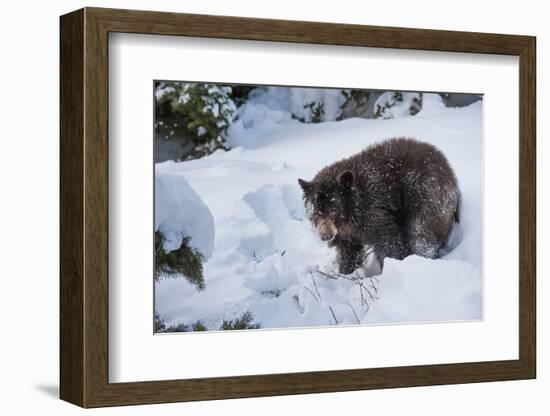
326	229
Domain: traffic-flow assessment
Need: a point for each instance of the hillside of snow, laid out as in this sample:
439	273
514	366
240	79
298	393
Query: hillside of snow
267	259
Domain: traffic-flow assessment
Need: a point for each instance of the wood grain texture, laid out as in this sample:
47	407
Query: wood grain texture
227	27
96	208
528	207
84	207
71	208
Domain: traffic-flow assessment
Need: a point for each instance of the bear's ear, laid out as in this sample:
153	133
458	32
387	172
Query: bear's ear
305	185
345	179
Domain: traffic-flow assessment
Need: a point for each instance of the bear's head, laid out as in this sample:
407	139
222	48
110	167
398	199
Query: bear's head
329	203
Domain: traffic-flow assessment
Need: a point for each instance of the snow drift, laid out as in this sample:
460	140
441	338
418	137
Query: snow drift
180	213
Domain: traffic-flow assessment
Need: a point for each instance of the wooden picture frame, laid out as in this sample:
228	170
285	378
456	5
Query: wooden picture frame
84	207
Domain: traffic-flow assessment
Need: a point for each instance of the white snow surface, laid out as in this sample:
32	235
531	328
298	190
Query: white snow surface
180	213
269	106
266	257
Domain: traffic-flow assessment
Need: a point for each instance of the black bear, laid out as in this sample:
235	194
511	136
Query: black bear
395	198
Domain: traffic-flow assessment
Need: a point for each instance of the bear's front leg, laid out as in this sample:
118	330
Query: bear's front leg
350	256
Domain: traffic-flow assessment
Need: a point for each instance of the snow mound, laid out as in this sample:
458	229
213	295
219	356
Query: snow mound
180	213
417	289
432	104
267	108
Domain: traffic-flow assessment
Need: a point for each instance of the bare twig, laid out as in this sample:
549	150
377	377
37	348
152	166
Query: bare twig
334	316
327	275
338	276
363	300
370	294
316	288
312	294
373	287
353	310
350	277
359	281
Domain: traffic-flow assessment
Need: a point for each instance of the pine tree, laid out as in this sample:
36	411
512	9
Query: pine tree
200	113
316	112
161	327
243	322
391	103
184	262
359	103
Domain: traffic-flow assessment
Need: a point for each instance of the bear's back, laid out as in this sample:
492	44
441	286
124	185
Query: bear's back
406	162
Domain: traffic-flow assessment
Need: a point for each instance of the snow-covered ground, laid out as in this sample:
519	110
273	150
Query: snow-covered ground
267	258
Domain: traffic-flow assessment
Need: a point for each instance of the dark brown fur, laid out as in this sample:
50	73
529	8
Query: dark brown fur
398	197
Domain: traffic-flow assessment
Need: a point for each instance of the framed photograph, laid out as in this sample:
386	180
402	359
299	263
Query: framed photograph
255	207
